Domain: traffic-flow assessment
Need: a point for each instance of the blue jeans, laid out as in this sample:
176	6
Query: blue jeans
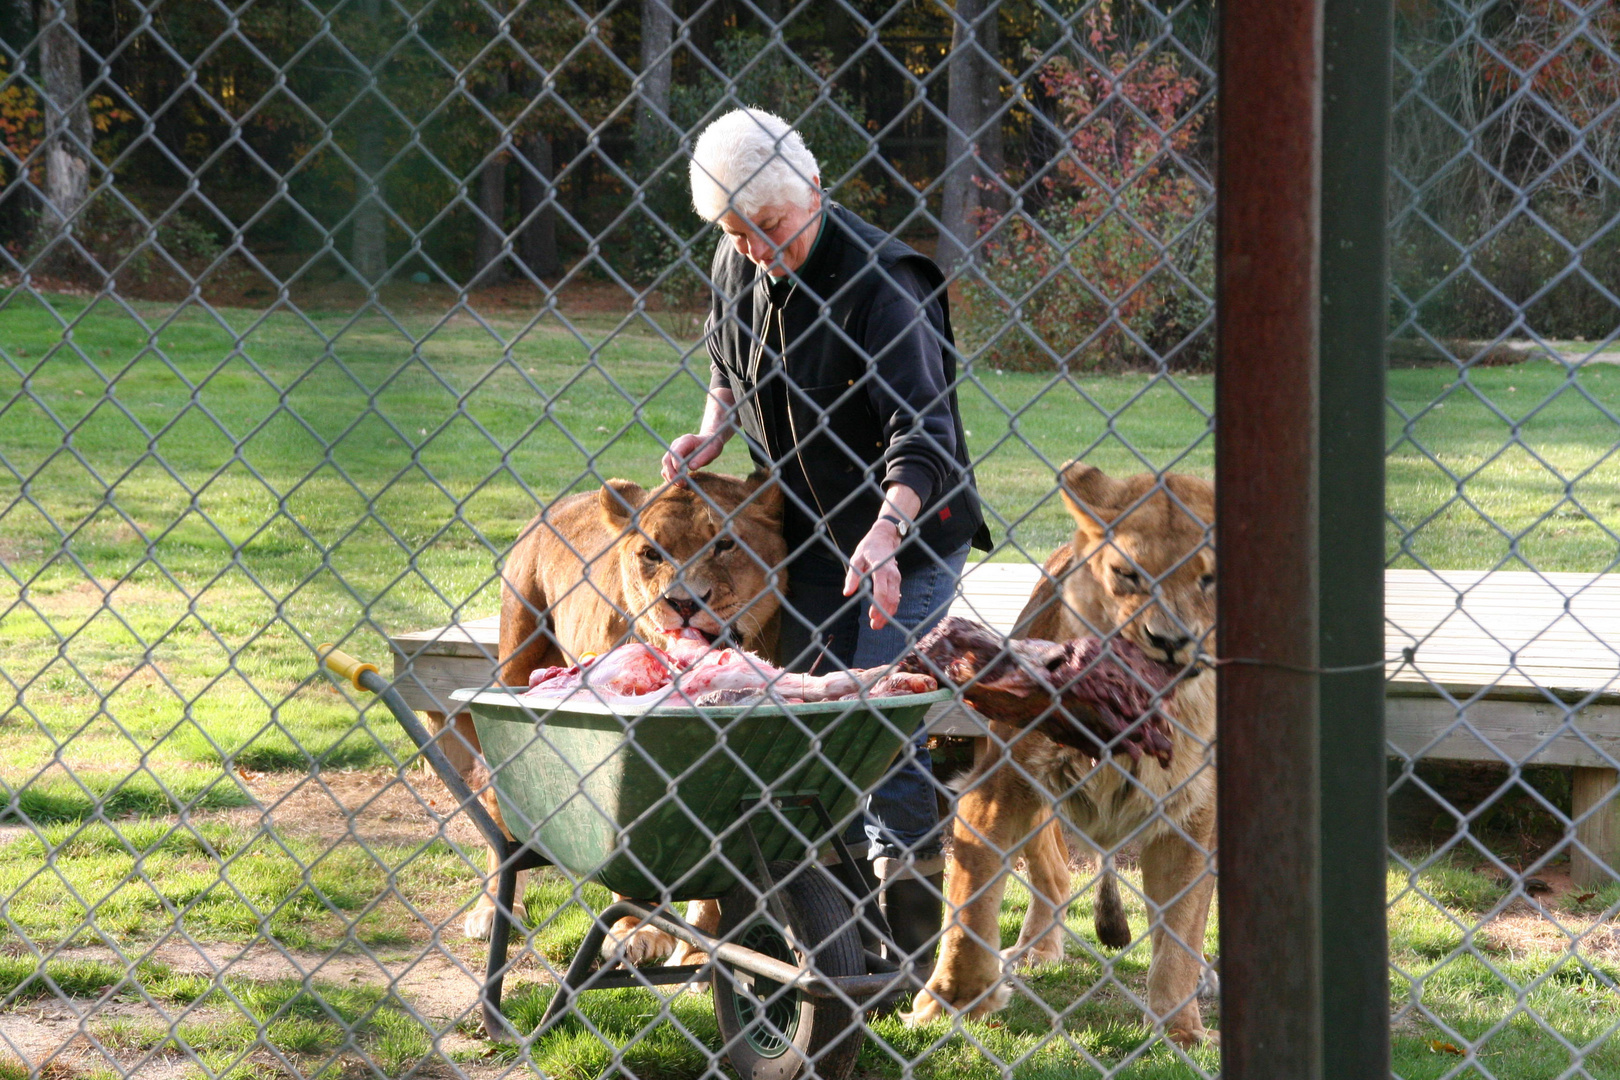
821	629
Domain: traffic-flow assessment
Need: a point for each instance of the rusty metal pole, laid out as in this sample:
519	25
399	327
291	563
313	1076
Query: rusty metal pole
1268	184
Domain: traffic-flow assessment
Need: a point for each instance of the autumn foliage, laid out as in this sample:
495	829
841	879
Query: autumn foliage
1114	268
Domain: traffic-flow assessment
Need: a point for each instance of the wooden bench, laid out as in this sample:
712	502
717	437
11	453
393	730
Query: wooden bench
1508	667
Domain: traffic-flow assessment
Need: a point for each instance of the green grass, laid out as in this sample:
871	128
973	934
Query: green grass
187	507
235	1025
80	883
1512	467
1444	994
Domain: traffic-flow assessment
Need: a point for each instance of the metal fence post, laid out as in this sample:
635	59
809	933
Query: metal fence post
1355	170
1265	483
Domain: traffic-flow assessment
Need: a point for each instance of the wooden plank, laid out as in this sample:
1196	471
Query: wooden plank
1527	732
1505	634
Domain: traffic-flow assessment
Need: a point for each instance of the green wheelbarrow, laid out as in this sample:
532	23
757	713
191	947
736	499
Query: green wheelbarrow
678	803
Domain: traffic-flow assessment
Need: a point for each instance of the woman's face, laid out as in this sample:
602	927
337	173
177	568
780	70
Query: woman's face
777	239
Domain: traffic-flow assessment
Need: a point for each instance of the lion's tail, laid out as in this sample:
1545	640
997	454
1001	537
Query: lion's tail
1113	930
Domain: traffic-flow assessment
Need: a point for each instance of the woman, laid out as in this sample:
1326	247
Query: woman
831	349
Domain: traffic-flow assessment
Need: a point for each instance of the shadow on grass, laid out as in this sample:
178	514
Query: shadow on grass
58	799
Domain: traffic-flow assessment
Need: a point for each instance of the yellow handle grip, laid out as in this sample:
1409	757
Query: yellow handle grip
345	665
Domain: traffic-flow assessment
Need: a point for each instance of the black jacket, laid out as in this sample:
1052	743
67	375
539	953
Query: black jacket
861	396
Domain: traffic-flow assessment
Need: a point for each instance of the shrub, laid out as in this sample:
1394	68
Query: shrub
1116	269
109	241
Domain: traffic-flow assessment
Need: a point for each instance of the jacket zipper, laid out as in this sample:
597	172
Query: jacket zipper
793	428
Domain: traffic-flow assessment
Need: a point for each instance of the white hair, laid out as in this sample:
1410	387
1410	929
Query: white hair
750	159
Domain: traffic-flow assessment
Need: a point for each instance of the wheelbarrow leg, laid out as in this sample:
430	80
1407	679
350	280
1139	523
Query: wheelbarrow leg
495	1025
579	969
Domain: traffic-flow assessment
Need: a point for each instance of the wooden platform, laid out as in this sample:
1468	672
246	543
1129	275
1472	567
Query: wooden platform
1506	667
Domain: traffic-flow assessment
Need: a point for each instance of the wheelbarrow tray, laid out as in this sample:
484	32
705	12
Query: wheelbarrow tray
636	800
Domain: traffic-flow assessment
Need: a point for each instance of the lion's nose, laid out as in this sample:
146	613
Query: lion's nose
685	606
1168	645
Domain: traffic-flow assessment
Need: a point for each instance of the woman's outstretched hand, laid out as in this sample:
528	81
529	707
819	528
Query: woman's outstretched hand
874	557
688	452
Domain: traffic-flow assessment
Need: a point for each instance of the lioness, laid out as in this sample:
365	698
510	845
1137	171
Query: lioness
703	556
1141	564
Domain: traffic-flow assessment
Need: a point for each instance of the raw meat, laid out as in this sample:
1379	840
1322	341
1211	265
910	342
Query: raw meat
638	673
1097	697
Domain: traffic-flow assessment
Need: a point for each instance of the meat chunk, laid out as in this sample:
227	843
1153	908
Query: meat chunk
635	673
1093	695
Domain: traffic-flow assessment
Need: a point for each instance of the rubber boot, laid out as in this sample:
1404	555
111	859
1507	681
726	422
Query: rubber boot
915	910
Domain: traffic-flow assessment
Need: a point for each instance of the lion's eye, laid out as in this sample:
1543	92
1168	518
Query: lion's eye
1127	579
651	554
1206	582
724	543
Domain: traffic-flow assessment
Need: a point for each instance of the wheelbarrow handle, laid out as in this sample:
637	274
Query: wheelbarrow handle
345	666
366	677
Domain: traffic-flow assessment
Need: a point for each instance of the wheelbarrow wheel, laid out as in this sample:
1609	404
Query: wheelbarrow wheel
772	1034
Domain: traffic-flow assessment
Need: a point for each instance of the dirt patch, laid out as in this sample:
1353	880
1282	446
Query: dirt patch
80	1035
441	987
368	806
60	1039
1529	929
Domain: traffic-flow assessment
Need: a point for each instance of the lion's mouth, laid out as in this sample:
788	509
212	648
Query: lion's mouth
691	633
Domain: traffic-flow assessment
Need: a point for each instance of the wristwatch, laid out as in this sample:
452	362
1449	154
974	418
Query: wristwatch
901	525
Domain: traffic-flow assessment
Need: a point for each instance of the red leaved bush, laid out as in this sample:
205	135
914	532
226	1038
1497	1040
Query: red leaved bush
1116	270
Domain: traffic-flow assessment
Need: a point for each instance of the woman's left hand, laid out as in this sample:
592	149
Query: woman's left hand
874	557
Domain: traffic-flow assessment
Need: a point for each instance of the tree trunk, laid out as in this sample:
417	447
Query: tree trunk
491	230
992	146
488	265
537	243
652	105
965	115
67	117
369	252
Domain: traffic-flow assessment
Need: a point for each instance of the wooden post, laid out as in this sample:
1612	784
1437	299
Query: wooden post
457	745
1595	794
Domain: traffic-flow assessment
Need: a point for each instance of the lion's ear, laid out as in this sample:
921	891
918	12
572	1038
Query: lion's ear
769	500
1093	498
620	500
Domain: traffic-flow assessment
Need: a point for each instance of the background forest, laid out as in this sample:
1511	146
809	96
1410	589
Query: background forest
282	143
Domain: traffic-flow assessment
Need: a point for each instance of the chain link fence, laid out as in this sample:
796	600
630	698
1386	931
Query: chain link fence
1503	550
312	308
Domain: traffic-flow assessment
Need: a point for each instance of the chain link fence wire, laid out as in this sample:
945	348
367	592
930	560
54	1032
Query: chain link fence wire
1503	550
311	308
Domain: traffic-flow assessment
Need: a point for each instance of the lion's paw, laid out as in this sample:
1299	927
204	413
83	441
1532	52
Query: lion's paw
639	943
480	921
1191	1039
938	1000
1048	951
686	955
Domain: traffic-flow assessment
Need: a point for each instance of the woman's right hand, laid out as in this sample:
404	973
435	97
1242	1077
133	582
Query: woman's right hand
690	451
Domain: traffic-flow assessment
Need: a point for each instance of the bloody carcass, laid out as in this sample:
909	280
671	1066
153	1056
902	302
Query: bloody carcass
690	670
1093	695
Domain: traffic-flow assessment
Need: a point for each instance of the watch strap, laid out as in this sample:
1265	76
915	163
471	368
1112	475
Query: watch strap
901	525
